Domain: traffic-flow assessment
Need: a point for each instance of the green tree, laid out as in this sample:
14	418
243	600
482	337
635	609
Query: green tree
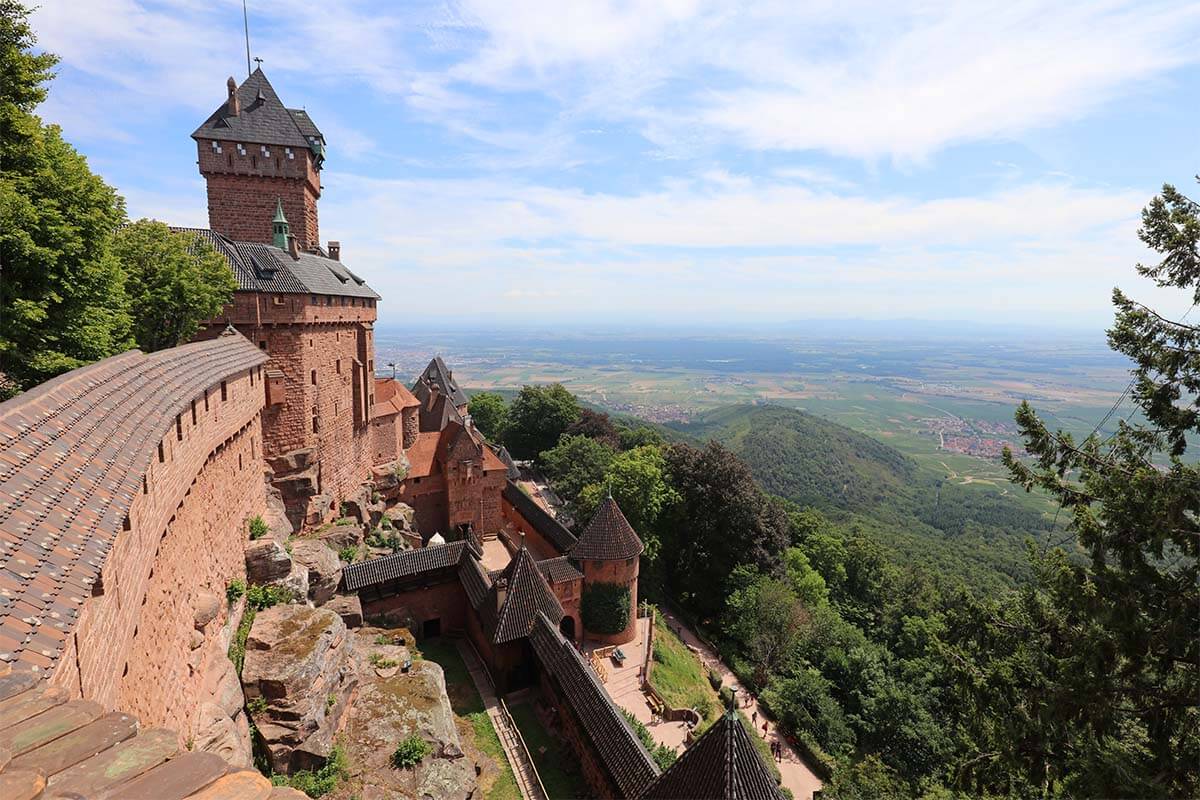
805	581
638	481
1093	672
490	414
765	617
720	519
538	416
575	462
175	282
595	425
62	292
641	435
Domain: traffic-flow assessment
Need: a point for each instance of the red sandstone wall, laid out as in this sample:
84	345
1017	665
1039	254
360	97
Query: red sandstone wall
385	439
333	337
569	594
130	648
412	423
447	602
243	189
622	572
593	772
533	540
428	501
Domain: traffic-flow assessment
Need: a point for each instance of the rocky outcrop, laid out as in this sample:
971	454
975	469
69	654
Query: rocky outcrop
387	710
267	561
278	524
218	724
298	661
324	568
295	476
349	608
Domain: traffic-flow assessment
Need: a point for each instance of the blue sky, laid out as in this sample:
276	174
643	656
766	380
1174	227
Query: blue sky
649	163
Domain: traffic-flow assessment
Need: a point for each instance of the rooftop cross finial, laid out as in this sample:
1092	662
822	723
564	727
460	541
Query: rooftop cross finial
257	62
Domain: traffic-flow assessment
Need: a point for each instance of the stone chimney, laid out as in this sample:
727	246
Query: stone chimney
293	247
501	592
234	107
335	250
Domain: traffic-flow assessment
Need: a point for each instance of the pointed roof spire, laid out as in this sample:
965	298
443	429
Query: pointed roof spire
279	226
608	537
528	593
723	764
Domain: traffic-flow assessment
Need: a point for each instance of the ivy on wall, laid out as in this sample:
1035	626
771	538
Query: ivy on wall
605	607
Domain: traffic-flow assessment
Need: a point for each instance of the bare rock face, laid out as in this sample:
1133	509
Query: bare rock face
205	608
324	568
298	661
387	710
349	608
278	524
337	537
297	582
401	516
267	561
217	733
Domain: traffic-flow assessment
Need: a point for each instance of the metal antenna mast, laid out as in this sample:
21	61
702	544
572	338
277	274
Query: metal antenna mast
246	23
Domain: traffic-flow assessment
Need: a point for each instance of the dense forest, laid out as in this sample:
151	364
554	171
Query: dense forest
886	620
969	532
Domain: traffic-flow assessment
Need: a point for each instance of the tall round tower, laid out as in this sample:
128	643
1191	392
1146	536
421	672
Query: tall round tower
608	554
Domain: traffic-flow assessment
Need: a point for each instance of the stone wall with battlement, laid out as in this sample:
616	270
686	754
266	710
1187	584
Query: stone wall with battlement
246	180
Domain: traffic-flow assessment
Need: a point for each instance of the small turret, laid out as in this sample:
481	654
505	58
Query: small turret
234	107
279	226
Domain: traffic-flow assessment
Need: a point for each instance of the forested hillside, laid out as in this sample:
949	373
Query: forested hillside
971	533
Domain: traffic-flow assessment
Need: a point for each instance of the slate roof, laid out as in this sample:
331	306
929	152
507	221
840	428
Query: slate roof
614	742
404	564
528	595
436	412
438	374
551	529
262	119
73	452
722	765
475	580
511	469
559	570
262	267
608	537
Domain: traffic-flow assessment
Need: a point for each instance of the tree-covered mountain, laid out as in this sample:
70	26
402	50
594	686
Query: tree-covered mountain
974	533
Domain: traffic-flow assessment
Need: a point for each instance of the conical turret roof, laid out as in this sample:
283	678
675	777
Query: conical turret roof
608	537
527	594
722	765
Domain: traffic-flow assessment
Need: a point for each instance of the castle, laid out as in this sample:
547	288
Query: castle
127	488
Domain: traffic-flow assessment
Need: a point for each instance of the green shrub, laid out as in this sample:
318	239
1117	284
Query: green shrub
260	597
348	553
606	607
234	590
714	679
410	751
320	782
663	756
256	705
258	527
330	700
380	662
237	647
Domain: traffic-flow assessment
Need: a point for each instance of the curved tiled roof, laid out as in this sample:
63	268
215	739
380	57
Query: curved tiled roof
551	529
608	537
73	453
392	397
722	765
401	565
614	742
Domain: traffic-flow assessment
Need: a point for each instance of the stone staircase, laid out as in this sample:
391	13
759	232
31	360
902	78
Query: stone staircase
55	747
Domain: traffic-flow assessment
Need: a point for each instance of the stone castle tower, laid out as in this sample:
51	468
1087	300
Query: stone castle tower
608	553
295	300
254	153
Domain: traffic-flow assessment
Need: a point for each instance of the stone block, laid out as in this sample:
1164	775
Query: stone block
324	568
267	561
349	608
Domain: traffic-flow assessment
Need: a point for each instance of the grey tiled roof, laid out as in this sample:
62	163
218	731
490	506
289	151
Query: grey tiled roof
404	564
513	471
722	765
624	758
558	570
438	374
608	537
262	267
73	453
550	528
263	119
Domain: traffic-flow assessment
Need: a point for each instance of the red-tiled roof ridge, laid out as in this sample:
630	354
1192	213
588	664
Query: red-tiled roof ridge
392	397
90	434
608	537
